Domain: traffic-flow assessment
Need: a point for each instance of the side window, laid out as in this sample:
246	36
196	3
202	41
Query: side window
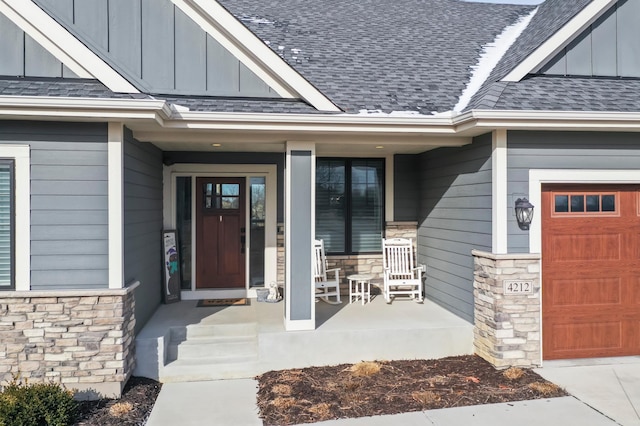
585	203
7	224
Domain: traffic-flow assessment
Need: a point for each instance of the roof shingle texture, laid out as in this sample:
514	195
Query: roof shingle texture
400	55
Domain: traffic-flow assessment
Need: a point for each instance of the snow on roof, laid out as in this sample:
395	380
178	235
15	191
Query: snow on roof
491	54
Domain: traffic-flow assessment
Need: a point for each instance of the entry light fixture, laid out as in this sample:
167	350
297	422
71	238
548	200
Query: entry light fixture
524	213
216	145
379	147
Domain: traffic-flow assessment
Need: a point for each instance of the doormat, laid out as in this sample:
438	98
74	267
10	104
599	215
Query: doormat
207	303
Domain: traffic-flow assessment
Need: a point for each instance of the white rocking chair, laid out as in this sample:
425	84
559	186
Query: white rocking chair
400	276
327	280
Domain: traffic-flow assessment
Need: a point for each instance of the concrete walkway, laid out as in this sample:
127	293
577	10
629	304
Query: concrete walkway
605	393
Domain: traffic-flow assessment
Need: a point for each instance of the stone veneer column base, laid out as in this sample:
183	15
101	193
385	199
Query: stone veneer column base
507	330
81	339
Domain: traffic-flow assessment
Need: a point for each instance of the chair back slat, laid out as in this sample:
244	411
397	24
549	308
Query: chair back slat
319	261
398	257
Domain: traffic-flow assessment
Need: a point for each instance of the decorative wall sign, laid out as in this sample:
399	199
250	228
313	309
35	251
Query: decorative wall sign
171	285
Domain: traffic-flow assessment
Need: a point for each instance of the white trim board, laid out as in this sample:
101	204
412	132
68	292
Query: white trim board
538	177
22	188
560	39
54	38
499	192
115	155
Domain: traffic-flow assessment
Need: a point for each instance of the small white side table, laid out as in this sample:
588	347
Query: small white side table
360	286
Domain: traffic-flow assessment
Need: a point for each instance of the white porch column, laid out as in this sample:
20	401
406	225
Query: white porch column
300	178
499	196
116	205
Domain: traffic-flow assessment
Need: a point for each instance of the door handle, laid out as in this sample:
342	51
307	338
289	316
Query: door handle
243	240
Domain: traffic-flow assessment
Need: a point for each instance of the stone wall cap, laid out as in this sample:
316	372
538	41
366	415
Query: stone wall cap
73	293
405	223
507	256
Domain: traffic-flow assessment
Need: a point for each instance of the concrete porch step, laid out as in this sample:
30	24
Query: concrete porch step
203	369
178	334
214	348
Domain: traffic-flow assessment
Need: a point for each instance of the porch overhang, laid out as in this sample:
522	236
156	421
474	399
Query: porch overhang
171	128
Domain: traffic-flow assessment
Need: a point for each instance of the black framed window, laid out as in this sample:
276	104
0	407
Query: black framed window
7	225
350	204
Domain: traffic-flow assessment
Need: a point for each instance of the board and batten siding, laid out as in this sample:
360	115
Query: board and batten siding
143	224
23	56
69	201
157	47
609	47
454	219
406	187
561	150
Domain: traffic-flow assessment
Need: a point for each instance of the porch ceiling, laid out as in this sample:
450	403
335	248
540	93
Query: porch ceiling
268	141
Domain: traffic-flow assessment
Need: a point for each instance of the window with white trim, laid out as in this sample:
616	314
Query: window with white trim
7	224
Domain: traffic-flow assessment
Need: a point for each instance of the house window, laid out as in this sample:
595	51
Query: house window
7	224
581	203
350	204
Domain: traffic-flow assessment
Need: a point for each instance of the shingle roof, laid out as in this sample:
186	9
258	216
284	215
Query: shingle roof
400	55
57	87
564	94
257	105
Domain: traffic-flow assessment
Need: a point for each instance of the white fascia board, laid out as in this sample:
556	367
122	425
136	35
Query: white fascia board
561	38
60	108
216	21
548	120
63	45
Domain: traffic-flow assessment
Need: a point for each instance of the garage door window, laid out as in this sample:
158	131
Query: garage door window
585	203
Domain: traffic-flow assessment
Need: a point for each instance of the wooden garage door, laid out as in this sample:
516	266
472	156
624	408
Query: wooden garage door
591	271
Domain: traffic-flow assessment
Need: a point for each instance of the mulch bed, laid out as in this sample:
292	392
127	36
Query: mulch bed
316	394
133	408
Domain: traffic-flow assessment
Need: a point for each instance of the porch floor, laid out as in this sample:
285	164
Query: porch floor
345	333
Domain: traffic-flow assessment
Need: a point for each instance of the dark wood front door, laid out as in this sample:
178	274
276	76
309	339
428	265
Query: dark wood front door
220	232
591	271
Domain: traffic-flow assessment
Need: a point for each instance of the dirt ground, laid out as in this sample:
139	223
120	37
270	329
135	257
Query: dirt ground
315	394
133	408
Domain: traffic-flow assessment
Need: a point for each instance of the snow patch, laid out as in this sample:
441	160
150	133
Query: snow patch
256	20
489	58
380	113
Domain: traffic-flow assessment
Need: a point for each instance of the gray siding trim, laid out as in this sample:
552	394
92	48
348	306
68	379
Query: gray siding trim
454	218
406	187
153	44
69	229
143	224
561	150
191	157
301	243
608	48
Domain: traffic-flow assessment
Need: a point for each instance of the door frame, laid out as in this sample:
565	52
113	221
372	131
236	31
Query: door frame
538	177
269	172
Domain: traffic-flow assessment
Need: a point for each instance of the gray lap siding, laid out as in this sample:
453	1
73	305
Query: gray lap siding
143	224
69	190
561	150
454	218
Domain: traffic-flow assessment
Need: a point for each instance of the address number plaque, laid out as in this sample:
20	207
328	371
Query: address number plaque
518	287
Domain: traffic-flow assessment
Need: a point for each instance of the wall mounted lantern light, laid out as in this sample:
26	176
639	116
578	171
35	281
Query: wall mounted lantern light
524	213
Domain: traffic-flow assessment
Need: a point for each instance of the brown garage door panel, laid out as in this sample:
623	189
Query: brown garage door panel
585	292
585	247
586	336
591	276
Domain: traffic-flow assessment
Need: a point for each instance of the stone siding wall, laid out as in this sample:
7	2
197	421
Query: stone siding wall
81	339
507	326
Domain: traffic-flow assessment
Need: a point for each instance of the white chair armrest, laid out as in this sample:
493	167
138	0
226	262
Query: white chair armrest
334	269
